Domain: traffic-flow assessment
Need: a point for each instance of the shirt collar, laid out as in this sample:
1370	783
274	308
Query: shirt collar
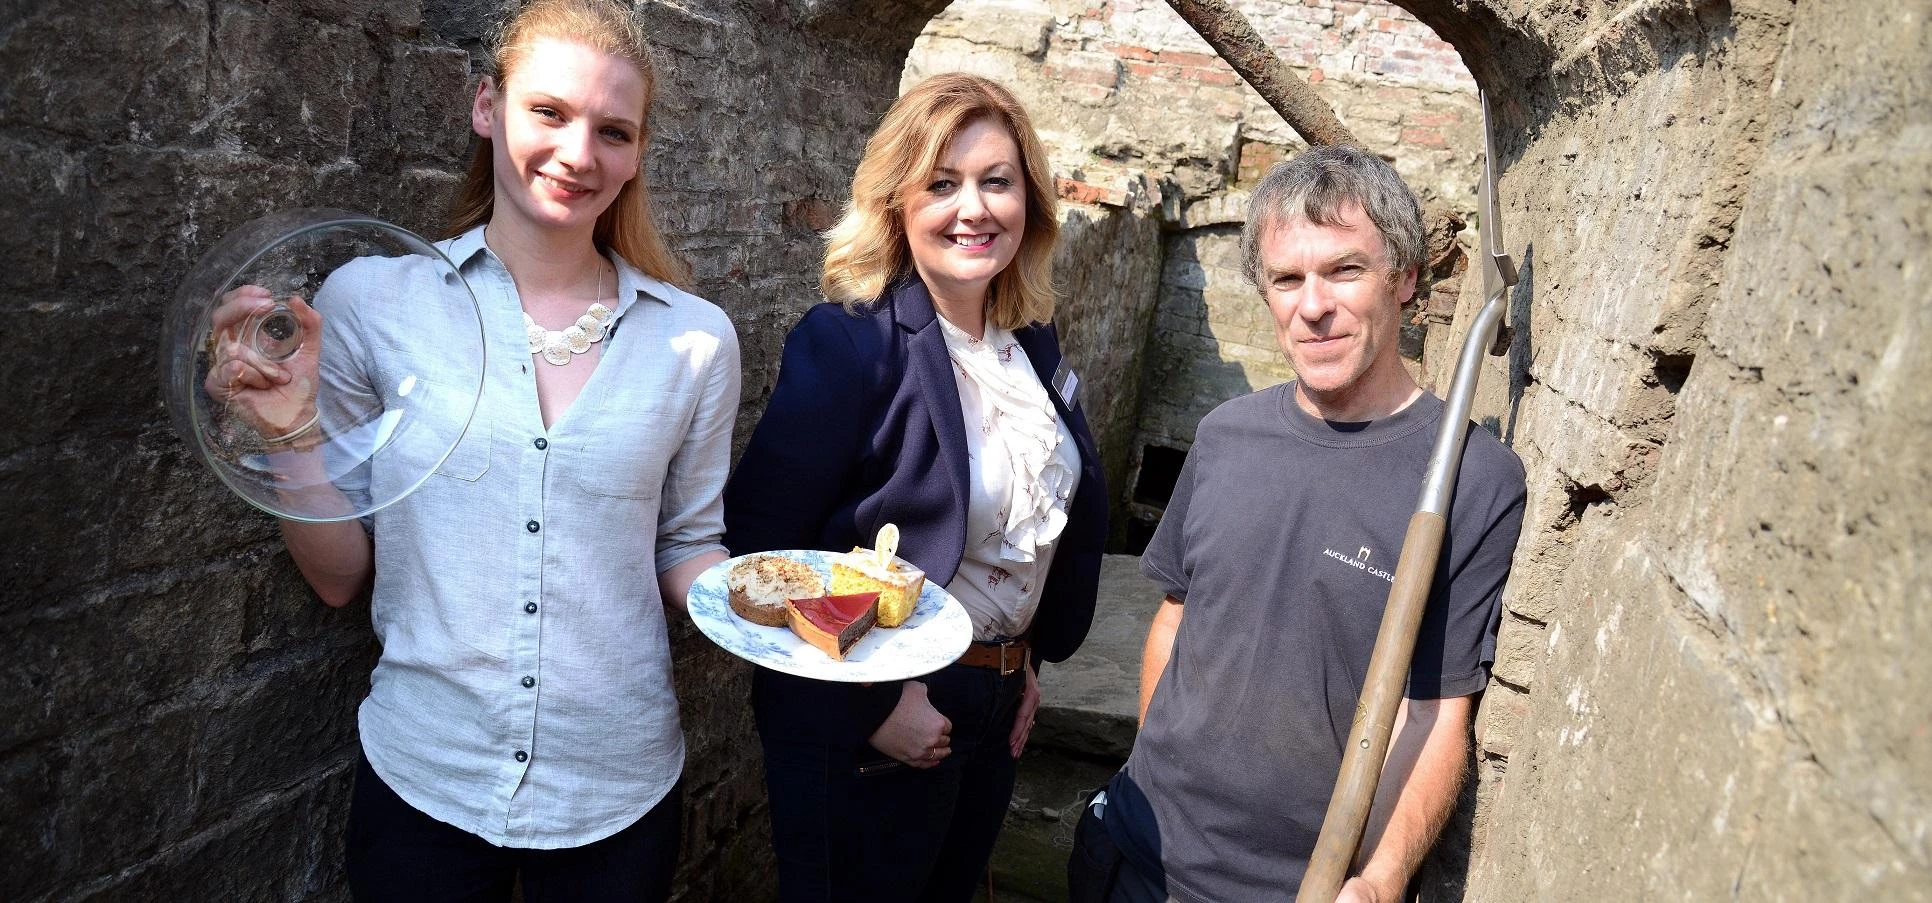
632	283
460	249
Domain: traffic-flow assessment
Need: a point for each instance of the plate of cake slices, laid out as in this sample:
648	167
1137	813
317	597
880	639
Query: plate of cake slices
855	616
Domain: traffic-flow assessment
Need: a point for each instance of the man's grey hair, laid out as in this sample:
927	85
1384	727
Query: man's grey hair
1317	185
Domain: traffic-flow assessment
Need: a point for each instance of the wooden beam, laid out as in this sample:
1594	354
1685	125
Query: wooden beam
1236	41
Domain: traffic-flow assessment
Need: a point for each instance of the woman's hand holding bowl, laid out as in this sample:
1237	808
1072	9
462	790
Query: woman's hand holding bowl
267	358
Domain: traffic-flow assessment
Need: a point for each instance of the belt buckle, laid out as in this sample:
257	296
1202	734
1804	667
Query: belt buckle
1004	670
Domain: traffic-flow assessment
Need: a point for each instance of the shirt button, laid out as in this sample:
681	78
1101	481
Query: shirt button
532	527
529	608
542	443
529	682
522	756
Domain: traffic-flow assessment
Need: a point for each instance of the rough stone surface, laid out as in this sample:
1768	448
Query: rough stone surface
1108	268
1215	339
1707	687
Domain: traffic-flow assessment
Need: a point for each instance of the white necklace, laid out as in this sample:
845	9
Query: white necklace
556	346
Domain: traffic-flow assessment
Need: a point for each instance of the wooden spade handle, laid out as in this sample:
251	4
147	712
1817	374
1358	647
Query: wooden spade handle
1382	689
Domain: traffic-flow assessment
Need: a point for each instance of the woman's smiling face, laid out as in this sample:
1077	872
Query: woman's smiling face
566	133
964	225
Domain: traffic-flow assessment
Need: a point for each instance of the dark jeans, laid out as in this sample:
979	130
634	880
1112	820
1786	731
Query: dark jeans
1097	872
851	824
398	853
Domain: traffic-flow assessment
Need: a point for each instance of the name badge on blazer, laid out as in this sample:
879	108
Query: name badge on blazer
1067	383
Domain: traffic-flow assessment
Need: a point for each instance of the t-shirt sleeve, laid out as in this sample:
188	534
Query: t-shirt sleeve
1457	640
1165	560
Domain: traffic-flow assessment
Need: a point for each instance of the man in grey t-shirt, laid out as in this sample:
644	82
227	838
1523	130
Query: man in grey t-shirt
1276	553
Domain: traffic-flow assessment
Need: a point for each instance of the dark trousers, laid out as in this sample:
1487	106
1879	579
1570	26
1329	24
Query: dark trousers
1097	872
398	853
851	824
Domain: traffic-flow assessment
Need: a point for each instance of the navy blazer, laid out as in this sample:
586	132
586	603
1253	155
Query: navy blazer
864	429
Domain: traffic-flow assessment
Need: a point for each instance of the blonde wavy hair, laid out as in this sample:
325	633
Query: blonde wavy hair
604	26
867	249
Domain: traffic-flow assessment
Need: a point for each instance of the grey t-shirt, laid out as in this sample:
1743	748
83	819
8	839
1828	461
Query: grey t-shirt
1282	538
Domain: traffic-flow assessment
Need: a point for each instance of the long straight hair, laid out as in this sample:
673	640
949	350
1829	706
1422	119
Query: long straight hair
625	226
867	249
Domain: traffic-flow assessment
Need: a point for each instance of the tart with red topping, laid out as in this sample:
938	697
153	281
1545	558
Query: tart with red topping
833	624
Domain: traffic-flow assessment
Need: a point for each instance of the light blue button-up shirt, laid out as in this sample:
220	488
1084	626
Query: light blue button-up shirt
524	692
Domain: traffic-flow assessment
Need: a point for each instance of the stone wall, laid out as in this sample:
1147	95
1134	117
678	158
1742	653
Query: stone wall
1108	265
1709	685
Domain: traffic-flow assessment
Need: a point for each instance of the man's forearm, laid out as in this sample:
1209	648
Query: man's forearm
1159	648
1418	791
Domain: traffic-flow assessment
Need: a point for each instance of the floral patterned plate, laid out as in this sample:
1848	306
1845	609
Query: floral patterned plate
931	639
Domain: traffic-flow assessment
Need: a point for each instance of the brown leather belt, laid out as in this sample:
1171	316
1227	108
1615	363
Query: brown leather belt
1005	658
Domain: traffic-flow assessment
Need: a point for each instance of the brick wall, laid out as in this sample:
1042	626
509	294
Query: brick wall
1126	86
1325	38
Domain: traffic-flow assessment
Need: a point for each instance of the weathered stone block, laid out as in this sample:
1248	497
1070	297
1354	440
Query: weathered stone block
42	190
1019	26
283	847
400	17
159	508
30	779
68	74
79	663
283	85
1500	721
270	725
126	791
425	117
1519	646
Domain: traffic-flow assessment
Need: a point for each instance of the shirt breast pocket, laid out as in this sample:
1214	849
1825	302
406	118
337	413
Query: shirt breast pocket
631	451
470	459
424	399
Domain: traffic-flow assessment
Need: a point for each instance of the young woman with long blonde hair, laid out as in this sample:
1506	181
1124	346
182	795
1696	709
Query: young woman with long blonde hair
520	726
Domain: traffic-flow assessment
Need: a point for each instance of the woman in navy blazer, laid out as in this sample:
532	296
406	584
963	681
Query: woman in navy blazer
896	791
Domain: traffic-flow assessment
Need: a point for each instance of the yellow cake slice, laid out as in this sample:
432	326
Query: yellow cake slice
878	570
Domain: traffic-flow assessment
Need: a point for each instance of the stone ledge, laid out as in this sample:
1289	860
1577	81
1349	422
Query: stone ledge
1091	702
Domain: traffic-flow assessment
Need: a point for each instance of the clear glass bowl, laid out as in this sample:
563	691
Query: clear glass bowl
324	364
